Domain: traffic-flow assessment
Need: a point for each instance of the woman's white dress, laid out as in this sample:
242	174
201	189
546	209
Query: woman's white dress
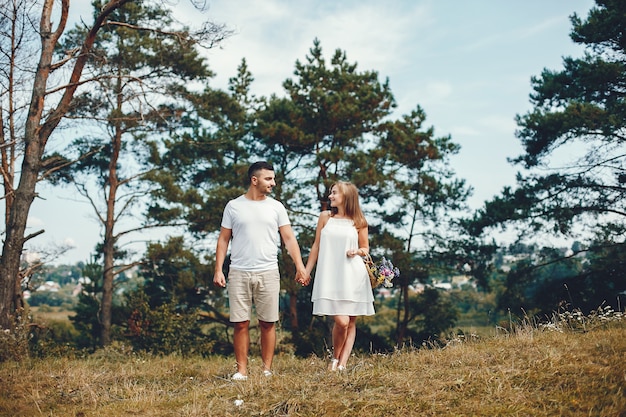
341	285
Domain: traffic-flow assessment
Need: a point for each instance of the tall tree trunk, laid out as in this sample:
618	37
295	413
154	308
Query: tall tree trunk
10	280
402	315
36	135
108	276
106	309
35	139
402	325
108	250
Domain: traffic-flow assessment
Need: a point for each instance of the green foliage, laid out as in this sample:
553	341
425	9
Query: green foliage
50	298
578	111
604	281
164	329
168	313
134	68
144	62
469	302
314	340
61	274
54	339
14	341
173	271
582	104
435	315
541	280
538	285
205	166
85	319
335	122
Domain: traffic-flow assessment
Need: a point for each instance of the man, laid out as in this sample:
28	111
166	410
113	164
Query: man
254	221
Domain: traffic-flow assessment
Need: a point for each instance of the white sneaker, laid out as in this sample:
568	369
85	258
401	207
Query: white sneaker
267	373
239	377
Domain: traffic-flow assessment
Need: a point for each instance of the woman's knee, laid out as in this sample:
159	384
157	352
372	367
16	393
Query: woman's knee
342	321
352	321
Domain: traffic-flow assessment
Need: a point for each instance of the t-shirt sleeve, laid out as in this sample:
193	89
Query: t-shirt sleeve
283	218
227	220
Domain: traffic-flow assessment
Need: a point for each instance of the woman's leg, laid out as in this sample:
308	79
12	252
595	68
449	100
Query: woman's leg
348	343
340	333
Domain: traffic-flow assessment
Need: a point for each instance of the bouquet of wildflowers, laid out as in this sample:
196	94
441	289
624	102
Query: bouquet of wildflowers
382	272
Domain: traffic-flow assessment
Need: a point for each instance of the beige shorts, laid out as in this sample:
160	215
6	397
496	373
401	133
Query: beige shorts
258	288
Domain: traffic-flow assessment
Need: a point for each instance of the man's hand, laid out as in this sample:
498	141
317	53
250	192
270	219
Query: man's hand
219	279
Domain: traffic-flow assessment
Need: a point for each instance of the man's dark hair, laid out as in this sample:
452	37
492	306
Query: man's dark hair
258	166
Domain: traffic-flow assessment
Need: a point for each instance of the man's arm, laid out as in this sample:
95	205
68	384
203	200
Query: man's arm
220	256
286	232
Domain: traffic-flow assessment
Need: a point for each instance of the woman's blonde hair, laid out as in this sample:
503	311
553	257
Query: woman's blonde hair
351	202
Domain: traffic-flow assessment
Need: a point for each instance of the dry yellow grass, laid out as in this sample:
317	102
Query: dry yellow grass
531	373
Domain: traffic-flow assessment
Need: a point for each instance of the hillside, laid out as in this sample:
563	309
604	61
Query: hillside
537	371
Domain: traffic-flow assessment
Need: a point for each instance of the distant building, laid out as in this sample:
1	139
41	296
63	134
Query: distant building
77	290
446	286
49	286
384	292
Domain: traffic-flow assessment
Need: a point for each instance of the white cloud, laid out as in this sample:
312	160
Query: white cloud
273	34
35	222
69	242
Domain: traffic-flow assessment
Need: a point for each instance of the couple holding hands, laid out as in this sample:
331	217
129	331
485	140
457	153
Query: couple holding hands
341	287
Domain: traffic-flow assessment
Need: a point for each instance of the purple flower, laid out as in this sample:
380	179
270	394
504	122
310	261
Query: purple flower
386	272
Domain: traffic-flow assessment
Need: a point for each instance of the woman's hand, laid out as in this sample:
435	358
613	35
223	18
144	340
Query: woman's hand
354	252
303	278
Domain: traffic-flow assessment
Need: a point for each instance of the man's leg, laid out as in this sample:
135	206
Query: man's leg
241	344
268	343
266	299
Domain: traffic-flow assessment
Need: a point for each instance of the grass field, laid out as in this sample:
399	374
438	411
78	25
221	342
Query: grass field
52	314
535	371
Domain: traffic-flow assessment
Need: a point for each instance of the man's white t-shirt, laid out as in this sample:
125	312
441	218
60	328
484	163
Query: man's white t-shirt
255	236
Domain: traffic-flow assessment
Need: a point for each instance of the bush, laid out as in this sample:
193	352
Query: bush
53	339
14	341
49	298
165	329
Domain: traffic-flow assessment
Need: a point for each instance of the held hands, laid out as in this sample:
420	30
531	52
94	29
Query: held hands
302	277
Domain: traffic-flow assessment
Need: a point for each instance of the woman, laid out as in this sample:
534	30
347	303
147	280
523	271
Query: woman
341	287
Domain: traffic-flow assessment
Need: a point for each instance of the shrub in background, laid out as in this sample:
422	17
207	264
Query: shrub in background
165	329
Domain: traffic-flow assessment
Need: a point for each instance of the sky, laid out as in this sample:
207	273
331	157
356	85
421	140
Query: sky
467	64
